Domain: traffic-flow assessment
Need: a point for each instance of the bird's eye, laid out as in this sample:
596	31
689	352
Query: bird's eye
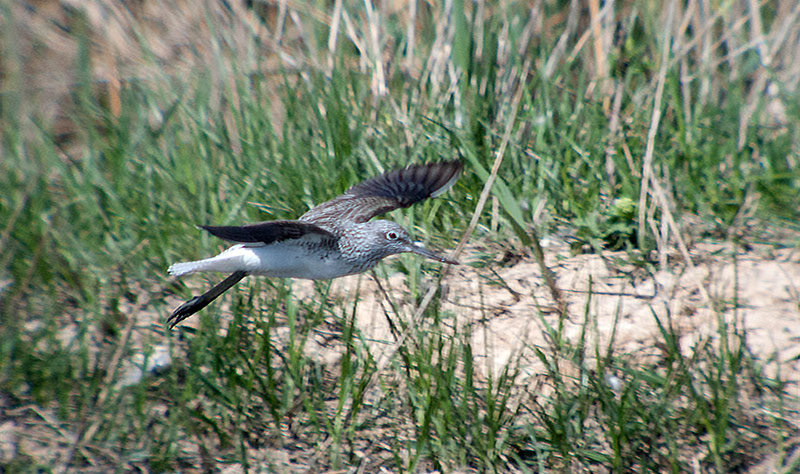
391	235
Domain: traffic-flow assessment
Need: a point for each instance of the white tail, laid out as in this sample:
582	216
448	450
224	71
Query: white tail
182	268
232	260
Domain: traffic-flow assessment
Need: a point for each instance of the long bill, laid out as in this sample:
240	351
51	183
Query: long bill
418	249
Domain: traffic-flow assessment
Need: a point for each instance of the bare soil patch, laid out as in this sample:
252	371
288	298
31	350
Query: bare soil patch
758	289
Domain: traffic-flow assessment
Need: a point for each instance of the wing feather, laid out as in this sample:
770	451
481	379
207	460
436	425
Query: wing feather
396	189
266	232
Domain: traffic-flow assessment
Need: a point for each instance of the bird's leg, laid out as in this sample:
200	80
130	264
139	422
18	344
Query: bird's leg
199	302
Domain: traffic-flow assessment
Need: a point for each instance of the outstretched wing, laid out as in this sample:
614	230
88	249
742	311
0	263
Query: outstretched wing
266	232
395	189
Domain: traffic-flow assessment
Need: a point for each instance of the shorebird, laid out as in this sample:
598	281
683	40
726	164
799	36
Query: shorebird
333	239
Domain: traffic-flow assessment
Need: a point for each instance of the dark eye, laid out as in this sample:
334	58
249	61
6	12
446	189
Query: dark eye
391	235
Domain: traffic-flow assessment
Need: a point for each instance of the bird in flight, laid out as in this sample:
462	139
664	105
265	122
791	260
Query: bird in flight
333	239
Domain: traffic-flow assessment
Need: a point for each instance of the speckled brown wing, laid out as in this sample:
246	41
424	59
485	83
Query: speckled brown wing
395	189
266	232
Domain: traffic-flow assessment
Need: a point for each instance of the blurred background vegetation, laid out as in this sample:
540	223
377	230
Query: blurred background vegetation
629	126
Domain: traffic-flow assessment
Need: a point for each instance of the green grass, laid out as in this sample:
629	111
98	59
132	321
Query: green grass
90	221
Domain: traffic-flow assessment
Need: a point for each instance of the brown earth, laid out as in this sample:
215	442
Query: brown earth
501	304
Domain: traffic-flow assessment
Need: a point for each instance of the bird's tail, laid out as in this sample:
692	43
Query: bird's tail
183	268
228	261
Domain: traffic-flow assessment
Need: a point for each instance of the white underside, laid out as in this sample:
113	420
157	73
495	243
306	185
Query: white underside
276	260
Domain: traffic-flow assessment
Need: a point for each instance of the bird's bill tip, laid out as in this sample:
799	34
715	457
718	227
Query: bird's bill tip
418	249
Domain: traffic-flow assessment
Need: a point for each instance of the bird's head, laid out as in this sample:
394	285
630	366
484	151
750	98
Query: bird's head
383	238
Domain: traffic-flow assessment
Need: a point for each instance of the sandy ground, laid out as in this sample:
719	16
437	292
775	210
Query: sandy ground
501	304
